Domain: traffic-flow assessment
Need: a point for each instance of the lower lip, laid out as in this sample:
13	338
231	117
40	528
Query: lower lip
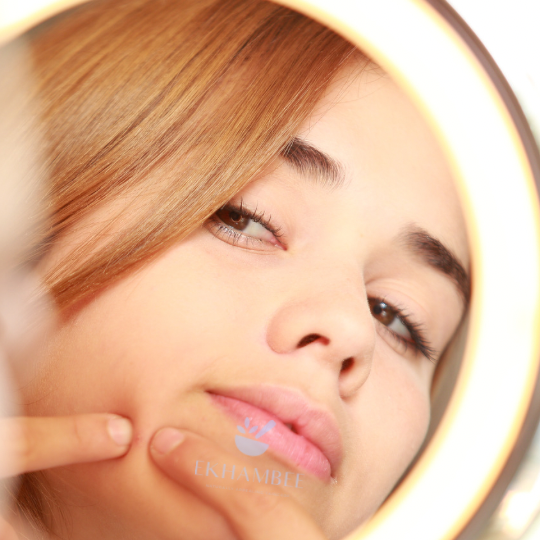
281	440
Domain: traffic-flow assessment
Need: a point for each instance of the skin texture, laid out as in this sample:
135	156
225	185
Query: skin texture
215	314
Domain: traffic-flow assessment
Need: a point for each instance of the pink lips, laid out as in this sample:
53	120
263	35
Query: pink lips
315	443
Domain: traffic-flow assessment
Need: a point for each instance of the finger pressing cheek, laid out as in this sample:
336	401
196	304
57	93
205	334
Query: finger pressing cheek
31	444
253	515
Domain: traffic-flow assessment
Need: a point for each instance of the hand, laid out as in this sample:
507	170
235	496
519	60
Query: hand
257	517
31	444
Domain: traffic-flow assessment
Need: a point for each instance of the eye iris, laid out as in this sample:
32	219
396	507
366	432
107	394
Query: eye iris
233	218
382	312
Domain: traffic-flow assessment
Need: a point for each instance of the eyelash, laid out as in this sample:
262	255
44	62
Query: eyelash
257	217
416	330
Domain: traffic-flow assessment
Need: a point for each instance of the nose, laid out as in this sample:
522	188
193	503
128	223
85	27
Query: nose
336	329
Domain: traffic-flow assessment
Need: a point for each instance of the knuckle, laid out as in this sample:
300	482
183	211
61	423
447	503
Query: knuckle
257	505
25	444
76	432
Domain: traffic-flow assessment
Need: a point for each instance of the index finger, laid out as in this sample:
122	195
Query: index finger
31	444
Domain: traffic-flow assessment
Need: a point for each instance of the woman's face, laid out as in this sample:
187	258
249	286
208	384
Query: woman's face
332	323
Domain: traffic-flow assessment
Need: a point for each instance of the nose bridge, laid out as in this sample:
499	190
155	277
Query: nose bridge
333	274
327	317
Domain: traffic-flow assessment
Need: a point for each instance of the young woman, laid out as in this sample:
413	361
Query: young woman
257	253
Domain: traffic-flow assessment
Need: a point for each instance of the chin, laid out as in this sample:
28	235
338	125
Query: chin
130	497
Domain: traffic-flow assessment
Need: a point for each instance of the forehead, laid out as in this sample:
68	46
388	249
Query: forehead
394	168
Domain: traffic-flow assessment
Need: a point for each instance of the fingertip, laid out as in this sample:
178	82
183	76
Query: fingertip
120	430
166	440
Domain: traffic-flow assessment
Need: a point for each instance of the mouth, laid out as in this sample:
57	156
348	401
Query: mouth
285	423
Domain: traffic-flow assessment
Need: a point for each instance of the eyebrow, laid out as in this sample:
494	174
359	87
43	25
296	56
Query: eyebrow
435	254
311	162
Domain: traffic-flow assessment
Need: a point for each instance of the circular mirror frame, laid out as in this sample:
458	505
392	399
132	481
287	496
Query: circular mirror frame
426	47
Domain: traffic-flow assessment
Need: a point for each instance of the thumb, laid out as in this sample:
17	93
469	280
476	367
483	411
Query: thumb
257	516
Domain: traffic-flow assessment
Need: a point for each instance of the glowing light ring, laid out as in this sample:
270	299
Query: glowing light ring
493	166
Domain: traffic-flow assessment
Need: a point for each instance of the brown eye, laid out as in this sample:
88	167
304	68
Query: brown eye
239	226
399	326
233	218
382	311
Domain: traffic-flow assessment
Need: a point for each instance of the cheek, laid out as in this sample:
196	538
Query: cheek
389	419
147	338
393	418
404	406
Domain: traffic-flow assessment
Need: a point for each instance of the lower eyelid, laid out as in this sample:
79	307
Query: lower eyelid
222	229
385	331
219	230
403	345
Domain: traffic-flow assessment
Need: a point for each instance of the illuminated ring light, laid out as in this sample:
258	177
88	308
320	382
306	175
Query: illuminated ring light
490	420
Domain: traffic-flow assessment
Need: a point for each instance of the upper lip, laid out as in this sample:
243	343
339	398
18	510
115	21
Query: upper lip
314	423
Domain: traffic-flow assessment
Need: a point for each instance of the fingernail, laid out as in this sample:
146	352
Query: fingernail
166	440
120	430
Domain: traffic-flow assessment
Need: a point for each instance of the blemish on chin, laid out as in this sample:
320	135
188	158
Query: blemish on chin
138	440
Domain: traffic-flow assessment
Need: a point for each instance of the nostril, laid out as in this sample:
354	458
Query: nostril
307	340
346	364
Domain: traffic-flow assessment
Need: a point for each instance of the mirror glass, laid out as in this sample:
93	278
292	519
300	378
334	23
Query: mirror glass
249	233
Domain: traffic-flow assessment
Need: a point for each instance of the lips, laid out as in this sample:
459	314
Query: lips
313	443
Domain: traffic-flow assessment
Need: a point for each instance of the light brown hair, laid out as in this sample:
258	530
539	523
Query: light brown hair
185	101
171	106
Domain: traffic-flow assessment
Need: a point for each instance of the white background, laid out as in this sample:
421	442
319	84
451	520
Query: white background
510	30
